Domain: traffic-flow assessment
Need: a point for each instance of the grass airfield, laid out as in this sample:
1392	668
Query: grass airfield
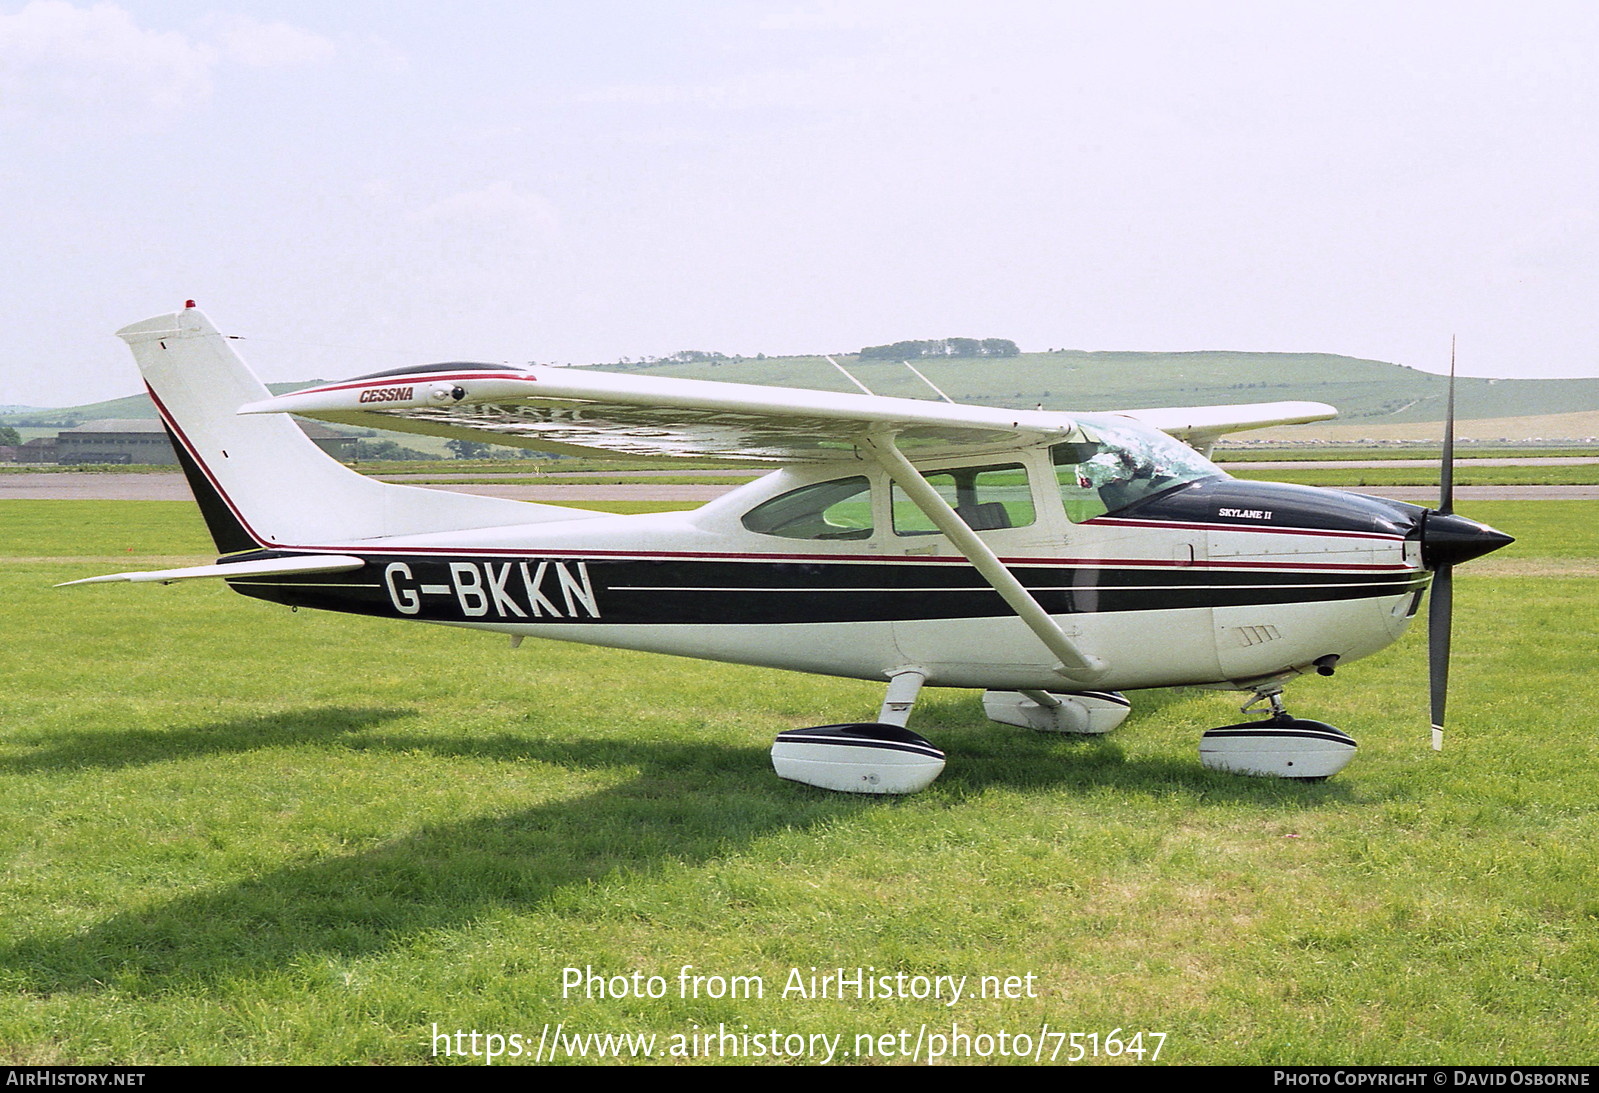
236	834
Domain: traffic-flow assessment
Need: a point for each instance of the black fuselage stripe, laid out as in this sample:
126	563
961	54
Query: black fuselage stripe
486	590
1036	588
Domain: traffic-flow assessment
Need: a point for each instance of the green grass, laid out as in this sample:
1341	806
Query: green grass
1463	449
1545	531
99	529
232	833
1312	452
1349	477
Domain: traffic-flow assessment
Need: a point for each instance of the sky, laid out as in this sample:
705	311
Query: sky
364	185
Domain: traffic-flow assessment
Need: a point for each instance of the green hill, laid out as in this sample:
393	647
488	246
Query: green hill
126	408
1364	391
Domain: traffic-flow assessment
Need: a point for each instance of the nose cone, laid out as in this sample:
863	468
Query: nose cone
1450	540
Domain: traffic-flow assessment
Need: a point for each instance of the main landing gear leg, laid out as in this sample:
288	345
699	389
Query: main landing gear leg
881	756
904	686
1279	746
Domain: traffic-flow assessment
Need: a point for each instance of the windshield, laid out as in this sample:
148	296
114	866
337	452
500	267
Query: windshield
1122	465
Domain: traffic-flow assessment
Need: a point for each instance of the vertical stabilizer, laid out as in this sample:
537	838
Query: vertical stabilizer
260	480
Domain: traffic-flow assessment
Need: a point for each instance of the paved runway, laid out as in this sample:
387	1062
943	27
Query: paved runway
83	486
111	486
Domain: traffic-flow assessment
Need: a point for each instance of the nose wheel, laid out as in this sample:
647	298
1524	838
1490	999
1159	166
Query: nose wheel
1278	745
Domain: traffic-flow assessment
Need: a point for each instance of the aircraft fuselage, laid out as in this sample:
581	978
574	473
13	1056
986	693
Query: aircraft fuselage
1213	581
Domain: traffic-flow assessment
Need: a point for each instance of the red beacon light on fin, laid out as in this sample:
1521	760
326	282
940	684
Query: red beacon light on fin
188	305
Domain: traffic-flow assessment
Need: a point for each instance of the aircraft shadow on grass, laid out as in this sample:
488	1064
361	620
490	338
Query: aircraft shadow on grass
687	804
99	749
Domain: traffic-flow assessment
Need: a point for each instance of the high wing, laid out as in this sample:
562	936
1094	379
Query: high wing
1200	426
586	412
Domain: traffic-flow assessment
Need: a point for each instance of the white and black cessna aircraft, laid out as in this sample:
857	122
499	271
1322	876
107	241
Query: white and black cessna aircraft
1052	559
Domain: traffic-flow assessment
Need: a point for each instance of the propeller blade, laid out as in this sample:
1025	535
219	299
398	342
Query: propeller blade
1441	606
1440	618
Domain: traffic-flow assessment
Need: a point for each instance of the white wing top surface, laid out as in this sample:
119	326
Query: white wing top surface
558	409
586	412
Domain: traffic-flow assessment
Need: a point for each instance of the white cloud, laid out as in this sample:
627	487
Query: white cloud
493	217
59	59
822	15
54	53
1562	245
268	45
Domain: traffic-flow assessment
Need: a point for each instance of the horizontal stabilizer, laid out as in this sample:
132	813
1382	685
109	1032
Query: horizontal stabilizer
266	567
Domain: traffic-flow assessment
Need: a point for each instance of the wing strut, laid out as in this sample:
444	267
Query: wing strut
1075	664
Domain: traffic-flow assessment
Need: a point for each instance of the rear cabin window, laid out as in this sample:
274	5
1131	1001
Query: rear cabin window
987	498
841	509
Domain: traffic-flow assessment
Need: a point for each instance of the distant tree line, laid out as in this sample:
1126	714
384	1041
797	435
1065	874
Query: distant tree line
941	347
693	356
66	421
682	356
388	449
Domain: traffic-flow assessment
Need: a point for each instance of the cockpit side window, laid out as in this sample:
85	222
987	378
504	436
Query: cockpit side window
1074	474
987	498
1121	467
841	509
